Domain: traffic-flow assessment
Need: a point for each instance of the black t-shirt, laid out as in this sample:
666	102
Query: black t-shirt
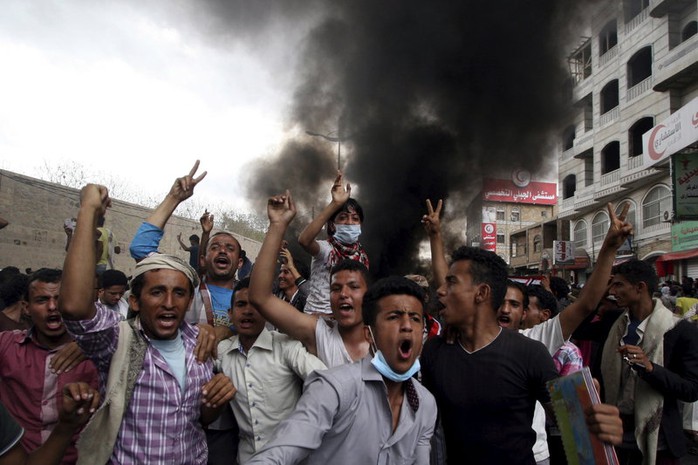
486	399
10	431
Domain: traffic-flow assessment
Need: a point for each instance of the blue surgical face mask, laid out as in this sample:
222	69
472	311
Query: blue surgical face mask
385	370
347	234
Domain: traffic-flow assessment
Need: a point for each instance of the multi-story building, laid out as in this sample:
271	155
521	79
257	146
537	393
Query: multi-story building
635	66
508	205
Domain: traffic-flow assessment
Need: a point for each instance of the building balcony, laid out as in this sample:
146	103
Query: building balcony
638	89
632	180
609	116
607	194
608	56
584	198
610	178
659	8
566	207
635	162
636	21
679	67
567	154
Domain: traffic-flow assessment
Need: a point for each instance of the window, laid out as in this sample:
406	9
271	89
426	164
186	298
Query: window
537	243
689	31
569	186
657	201
599	227
640	66
500	238
568	138
580	62
635	135
610	157
544	214
500	215
609	96
515	215
580	234
634	8
608	37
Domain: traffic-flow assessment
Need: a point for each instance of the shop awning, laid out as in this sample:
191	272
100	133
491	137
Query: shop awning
673	256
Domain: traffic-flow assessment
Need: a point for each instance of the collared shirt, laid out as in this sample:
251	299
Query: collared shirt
31	391
343	417
161	424
269	378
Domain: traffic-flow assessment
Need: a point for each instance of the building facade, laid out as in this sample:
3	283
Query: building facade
636	65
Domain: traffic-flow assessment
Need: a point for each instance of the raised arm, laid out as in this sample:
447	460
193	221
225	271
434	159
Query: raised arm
300	326
148	236
595	288
432	225
206	221
76	301
340	195
181	190
291	265
182	244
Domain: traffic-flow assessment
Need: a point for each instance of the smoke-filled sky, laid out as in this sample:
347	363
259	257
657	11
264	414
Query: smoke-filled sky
429	97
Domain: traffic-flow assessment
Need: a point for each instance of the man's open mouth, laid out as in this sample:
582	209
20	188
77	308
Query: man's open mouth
54	322
405	349
167	319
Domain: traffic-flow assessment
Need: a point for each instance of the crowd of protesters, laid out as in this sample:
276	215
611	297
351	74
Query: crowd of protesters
219	360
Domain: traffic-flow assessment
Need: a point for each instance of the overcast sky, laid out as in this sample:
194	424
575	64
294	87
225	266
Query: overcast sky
141	90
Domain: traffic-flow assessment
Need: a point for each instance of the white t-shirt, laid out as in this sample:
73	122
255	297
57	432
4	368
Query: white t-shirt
319	294
330	346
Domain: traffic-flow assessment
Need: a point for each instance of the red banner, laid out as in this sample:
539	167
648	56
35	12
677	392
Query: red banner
489	237
502	190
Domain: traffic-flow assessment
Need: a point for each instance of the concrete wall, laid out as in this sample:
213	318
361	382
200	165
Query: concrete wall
36	211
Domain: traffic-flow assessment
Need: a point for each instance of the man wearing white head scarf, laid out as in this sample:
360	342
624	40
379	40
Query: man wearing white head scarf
155	390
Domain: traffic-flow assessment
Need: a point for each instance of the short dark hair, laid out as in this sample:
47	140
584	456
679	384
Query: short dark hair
350	204
636	271
348	264
392	285
43	275
485	268
138	282
112	278
522	288
242	284
14	289
194	238
546	299
559	287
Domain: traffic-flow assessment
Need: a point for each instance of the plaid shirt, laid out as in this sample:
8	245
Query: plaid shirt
161	423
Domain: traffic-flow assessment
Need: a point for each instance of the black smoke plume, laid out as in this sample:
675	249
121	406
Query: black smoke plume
430	96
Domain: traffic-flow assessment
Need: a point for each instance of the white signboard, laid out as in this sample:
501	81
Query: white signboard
671	135
563	252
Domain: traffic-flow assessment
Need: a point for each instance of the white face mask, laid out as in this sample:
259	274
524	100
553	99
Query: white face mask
347	234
